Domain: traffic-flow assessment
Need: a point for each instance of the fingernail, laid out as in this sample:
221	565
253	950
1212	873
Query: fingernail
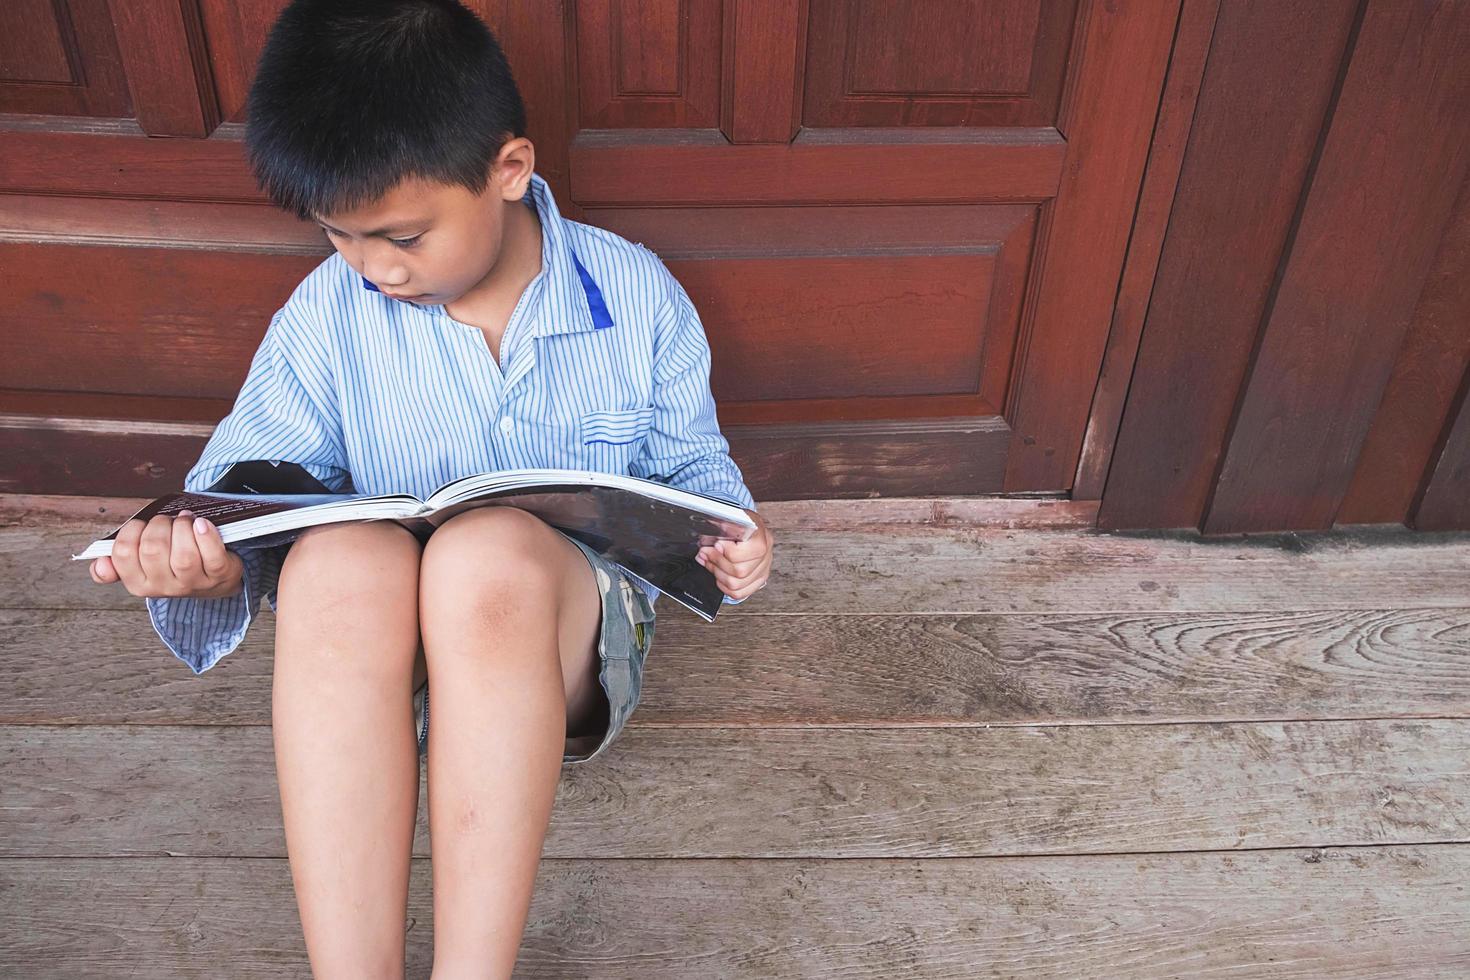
200	525
186	513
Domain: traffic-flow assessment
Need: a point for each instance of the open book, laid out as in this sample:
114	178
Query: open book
651	529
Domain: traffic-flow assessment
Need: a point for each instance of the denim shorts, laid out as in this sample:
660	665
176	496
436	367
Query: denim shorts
623	642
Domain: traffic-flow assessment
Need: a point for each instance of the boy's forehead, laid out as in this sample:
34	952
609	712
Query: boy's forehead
409	200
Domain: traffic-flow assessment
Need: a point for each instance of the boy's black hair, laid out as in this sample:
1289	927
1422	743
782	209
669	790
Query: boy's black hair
352	96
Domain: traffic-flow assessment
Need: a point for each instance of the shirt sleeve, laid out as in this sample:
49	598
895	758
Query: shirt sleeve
286	411
685	447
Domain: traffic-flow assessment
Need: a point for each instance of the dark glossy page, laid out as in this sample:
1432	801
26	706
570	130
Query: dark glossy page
654	540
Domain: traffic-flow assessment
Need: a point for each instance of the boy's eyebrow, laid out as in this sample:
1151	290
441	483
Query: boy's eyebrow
384	232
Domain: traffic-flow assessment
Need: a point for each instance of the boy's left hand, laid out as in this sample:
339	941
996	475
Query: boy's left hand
741	567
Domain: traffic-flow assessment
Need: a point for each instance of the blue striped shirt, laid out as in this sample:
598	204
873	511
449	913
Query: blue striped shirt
604	366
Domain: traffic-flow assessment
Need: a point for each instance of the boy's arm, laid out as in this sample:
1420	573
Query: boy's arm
286	410
685	447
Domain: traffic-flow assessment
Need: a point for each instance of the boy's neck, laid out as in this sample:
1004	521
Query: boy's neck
488	303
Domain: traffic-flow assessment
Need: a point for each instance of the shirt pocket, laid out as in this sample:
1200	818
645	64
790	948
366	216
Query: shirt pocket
611	439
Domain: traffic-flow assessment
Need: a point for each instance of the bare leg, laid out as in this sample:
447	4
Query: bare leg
346	759
508	609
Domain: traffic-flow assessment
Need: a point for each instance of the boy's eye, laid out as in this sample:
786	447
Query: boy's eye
406	242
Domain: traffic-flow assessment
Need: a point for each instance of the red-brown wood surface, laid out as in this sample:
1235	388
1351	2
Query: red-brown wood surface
904	227
1166	158
1391	166
1263	100
60	58
1107	118
162	45
862	199
1421	393
1445	503
766	48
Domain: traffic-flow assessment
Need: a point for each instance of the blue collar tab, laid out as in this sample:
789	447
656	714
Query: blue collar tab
600	316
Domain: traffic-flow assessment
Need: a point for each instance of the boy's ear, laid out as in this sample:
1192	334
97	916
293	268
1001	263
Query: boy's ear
512	168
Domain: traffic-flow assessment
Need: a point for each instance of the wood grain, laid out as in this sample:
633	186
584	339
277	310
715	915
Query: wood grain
1249	150
1393	160
1351	913
207	791
972	570
817	670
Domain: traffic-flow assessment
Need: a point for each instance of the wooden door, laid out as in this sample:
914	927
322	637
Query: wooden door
903	223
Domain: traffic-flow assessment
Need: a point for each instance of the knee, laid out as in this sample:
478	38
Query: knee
363	557
350	588
489	552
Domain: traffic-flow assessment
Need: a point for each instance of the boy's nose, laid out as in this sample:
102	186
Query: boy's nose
385	278
383	269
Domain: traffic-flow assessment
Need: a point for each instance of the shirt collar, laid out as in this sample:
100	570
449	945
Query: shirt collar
574	302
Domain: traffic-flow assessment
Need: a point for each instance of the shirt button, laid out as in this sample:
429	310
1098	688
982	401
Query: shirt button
506	424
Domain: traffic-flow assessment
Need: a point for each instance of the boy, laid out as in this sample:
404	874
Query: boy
462	325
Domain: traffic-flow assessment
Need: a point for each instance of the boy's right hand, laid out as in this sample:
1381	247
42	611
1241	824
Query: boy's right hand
168	557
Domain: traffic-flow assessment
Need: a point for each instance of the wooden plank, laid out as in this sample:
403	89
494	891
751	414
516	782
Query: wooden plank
1445	503
157	310
815	460
1420	397
970	570
1108	113
1249	149
1393	162
166	59
1150	221
107	161
823	166
765	44
92	456
843	670
844	793
1352	913
210	226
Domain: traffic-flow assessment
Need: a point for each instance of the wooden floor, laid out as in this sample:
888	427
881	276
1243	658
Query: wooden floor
928	749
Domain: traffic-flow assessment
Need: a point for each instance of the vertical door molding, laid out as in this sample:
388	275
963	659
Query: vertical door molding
1108	116
167	64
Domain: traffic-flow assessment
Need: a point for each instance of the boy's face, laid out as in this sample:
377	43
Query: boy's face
431	243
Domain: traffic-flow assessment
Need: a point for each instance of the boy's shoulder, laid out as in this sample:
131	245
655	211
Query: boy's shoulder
325	286
619	264
327	291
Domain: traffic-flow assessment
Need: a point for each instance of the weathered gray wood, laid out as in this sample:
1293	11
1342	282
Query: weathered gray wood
812	783
904	569
78	667
1356	913
947	792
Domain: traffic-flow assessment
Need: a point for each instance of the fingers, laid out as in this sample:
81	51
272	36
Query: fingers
736	588
154	547
720	555
125	556
184	560
166	557
736	579
212	552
